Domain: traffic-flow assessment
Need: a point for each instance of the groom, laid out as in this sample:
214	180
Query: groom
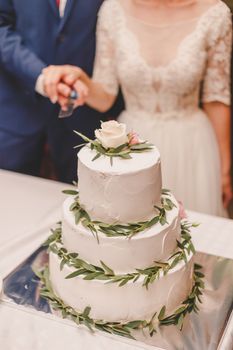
33	35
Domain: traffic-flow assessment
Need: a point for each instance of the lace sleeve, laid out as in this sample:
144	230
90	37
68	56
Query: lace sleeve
217	78
104	67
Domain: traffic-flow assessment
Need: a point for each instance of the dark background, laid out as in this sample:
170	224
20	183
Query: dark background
229	3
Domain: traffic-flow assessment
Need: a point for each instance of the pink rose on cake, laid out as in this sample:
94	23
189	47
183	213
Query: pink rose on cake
133	138
182	212
112	134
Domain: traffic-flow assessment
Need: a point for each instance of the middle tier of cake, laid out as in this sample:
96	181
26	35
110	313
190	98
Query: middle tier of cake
123	254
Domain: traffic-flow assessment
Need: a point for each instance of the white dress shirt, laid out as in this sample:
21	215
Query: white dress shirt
39	87
62	7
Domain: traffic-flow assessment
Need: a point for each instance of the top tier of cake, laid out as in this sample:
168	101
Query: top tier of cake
125	191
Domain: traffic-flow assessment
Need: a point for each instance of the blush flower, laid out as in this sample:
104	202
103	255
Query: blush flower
182	212
133	138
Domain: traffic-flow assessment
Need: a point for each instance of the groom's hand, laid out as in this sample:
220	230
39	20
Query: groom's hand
59	81
64	93
53	75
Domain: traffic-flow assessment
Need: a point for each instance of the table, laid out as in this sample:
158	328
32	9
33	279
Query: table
28	208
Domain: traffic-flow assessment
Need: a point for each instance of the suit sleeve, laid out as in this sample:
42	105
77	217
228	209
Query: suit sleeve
15	57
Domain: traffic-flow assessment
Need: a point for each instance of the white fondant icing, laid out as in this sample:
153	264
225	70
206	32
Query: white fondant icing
123	192
123	255
130	302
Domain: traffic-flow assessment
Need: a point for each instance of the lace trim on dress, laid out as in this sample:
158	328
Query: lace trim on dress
217	78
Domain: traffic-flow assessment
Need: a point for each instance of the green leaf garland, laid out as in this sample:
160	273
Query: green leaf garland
104	272
125	329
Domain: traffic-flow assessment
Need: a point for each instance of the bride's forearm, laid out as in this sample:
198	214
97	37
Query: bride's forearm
219	114
220	117
98	98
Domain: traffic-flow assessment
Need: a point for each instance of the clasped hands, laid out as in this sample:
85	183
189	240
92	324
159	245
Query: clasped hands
59	81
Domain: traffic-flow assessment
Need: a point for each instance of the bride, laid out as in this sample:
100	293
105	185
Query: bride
167	56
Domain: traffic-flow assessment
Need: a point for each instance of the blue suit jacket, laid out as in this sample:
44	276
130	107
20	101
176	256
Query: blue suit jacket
32	36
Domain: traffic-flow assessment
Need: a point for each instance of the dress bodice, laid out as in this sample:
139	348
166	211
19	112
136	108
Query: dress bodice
201	59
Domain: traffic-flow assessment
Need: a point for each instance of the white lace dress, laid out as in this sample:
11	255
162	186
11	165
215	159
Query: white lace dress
161	70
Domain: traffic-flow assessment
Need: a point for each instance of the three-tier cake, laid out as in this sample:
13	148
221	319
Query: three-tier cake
122	259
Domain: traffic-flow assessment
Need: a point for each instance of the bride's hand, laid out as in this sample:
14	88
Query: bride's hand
226	190
64	92
59	81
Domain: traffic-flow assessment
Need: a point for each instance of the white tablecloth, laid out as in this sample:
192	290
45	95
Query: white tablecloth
25	329
28	208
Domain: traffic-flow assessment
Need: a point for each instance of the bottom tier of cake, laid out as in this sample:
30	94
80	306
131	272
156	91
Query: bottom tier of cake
129	302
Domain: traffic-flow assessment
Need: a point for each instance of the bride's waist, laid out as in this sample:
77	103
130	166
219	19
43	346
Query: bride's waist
186	113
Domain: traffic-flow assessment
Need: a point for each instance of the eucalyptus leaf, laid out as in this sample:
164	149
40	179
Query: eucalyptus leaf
162	313
192	248
88	267
135	324
87	311
73	255
165	191
74	206
121	147
197	267
124	281
125	156
107	269
88	325
78	216
85	138
141	146
70	192
180	310
64	314
96	157
180	322
63	261
92	276
75	274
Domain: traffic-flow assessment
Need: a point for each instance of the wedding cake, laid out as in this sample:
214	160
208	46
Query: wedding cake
122	258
